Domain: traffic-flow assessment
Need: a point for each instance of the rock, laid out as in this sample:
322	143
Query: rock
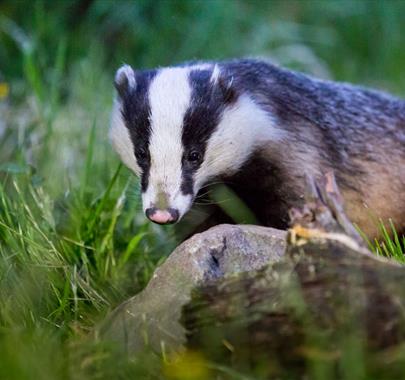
328	304
312	306
250	305
153	316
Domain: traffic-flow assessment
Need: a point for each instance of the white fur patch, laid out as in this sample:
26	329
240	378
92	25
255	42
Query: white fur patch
215	74
125	73
243	127
120	140
201	66
169	99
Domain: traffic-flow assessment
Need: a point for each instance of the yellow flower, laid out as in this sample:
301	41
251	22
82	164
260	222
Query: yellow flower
4	90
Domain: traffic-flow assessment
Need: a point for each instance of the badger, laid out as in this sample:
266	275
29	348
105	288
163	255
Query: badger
261	129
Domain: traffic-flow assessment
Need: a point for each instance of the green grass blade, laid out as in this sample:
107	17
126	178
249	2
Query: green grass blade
87	174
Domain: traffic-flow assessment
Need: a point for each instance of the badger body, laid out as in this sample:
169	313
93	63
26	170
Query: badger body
261	129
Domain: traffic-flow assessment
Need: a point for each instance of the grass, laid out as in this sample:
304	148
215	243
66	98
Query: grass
390	245
73	243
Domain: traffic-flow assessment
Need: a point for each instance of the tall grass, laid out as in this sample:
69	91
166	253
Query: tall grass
390	244
73	243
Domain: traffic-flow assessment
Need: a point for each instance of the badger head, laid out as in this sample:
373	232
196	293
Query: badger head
178	128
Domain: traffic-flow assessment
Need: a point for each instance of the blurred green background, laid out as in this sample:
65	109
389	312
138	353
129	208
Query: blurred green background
73	243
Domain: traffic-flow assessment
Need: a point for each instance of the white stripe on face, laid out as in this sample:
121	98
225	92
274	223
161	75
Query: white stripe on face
244	126
121	142
169	99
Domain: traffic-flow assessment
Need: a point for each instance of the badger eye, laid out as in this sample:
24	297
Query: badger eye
194	156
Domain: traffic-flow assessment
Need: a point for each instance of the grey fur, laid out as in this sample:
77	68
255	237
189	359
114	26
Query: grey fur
357	132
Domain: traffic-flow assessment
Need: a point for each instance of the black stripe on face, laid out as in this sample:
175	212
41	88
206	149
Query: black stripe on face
208	101
136	114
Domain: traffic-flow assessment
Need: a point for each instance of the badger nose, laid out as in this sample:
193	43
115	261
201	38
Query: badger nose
167	216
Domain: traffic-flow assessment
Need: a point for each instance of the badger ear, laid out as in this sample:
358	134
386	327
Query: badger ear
225	84
124	80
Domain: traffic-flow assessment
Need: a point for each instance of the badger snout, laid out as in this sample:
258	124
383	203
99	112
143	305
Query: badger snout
165	209
165	216
164	202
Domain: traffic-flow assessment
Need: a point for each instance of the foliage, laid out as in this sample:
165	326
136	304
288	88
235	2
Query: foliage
390	245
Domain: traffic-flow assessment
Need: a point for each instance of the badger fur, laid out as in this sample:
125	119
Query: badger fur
261	129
